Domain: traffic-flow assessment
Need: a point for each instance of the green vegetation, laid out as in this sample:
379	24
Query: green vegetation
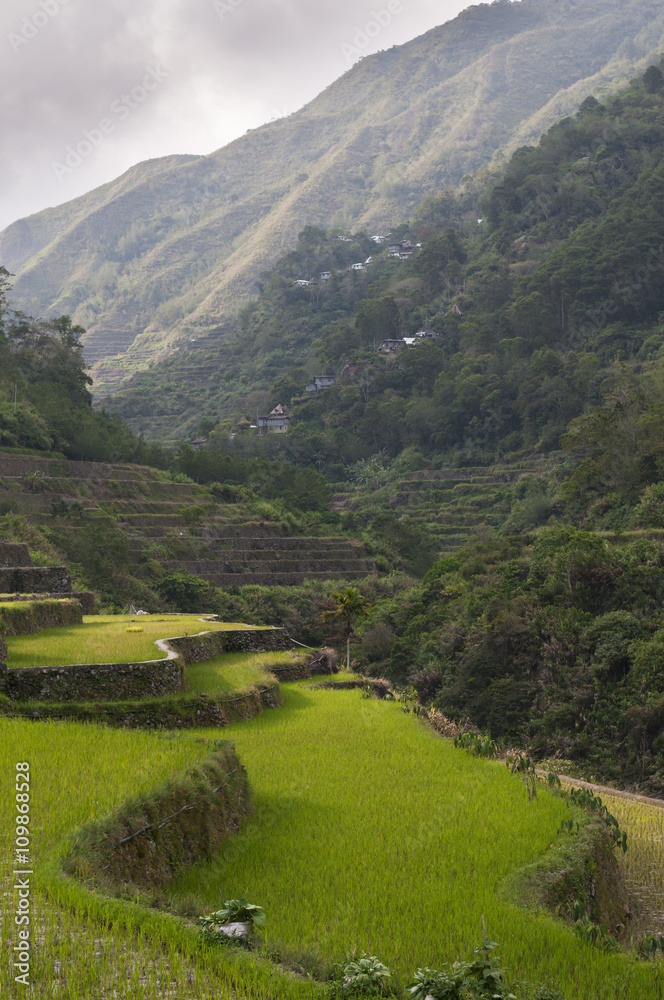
79	774
233	911
549	641
642	865
233	671
105	639
438	827
347	607
408	120
397	801
43	374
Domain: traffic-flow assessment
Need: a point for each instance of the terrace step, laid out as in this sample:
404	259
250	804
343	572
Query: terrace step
320	567
271	544
282	579
18	466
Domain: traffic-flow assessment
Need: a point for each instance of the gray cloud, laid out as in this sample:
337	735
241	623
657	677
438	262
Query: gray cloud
165	76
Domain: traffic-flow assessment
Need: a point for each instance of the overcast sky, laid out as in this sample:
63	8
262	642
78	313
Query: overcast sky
90	87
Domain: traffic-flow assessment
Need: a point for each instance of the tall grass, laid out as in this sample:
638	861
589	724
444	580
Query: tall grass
233	671
87	947
371	832
104	639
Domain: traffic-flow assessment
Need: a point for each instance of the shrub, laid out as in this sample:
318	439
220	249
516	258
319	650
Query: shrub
480	978
365	976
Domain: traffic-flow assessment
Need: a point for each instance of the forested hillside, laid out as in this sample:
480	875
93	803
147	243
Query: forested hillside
164	254
535	310
547	364
534	404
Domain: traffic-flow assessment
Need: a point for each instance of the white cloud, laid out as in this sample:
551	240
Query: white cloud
66	63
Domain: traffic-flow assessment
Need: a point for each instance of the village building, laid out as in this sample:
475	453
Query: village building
277	420
403	249
325	275
391	344
198	443
320	382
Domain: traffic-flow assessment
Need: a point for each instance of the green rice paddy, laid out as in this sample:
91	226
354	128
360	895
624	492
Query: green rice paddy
370	832
373	833
233	671
105	639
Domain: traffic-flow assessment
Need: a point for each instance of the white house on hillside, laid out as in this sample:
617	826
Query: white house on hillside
277	421
320	382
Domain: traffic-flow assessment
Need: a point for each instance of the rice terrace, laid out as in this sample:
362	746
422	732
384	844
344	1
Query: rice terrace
356	826
332	502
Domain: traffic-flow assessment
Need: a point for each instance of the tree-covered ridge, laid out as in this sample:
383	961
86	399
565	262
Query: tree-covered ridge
46	403
167	251
553	641
567	274
531	307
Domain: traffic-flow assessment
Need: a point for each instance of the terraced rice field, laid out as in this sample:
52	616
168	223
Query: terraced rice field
105	639
370	832
643	864
233	671
373	833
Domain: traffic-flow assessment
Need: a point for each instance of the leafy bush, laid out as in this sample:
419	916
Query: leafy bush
233	911
478	746
185	592
365	976
480	978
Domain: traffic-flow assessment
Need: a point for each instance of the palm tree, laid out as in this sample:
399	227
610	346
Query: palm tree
348	606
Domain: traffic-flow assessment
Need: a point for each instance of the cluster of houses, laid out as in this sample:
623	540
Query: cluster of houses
278	420
392	344
401	250
326	275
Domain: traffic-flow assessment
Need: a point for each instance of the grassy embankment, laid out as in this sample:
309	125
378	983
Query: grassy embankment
371	832
83	946
642	866
106	639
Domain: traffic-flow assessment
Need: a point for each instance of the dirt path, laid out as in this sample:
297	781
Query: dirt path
605	790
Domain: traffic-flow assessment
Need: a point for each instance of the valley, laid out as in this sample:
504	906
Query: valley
332	541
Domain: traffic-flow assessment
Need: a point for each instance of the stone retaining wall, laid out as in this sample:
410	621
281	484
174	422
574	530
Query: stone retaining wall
93	681
34	579
14	554
30	616
190	711
85	682
199	648
291	672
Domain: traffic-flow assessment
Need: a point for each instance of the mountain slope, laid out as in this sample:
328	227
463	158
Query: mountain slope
164	253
